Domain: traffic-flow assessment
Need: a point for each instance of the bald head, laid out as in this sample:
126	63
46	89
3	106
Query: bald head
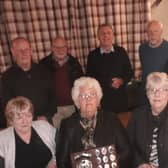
22	52
155	23
59	49
154	33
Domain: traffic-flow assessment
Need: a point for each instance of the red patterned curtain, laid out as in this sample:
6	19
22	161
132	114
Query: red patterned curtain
77	20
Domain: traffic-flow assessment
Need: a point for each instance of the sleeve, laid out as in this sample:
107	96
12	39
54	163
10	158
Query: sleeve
93	68
131	129
128	72
52	104
53	142
122	145
6	90
78	72
63	144
90	66
47	133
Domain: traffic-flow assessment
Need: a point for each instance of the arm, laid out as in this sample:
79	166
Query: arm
75	68
127	69
138	157
7	92
63	144
122	145
52	105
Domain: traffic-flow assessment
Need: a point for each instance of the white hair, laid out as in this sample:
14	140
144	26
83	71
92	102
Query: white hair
157	78
86	82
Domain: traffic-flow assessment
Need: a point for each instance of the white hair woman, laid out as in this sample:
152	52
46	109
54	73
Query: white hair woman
90	127
26	143
148	126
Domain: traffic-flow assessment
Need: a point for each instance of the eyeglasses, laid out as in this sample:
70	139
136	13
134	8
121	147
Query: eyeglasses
87	96
153	91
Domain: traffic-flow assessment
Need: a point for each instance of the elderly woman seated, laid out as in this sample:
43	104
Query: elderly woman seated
148	127
90	127
26	144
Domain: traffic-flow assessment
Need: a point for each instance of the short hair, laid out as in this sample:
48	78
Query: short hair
86	82
104	25
17	105
17	39
156	78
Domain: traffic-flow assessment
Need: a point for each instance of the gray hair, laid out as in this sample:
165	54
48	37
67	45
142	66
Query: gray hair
156	78
104	25
86	82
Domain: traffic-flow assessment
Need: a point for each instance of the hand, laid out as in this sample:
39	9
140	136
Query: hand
145	165
116	82
42	118
52	164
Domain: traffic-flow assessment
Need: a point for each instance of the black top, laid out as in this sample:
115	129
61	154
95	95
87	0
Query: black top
140	129
104	67
33	155
36	84
108	131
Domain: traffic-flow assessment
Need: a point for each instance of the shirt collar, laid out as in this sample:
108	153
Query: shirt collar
111	50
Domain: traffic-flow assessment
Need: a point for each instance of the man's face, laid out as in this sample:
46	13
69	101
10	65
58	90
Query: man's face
105	36
154	33
59	48
21	52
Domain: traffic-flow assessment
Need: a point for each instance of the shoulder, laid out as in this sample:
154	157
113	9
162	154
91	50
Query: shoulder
120	50
71	121
107	116
118	47
43	126
46	59
143	45
9	71
165	43
94	51
41	69
5	134
10	74
72	59
140	112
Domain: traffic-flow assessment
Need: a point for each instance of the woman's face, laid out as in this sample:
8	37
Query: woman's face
88	102
158	98
22	122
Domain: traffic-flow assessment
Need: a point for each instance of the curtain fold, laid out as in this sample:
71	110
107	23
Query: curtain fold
40	21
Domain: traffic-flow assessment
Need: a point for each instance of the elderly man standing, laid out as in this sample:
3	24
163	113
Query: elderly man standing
110	65
153	53
66	69
30	80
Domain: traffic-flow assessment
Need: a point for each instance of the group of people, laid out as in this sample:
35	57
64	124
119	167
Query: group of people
53	109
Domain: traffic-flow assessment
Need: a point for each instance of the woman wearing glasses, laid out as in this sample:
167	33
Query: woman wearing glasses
26	143
148	127
90	127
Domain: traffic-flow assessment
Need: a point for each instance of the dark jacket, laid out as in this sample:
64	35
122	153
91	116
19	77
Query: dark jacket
140	133
104	67
74	68
108	131
35	84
